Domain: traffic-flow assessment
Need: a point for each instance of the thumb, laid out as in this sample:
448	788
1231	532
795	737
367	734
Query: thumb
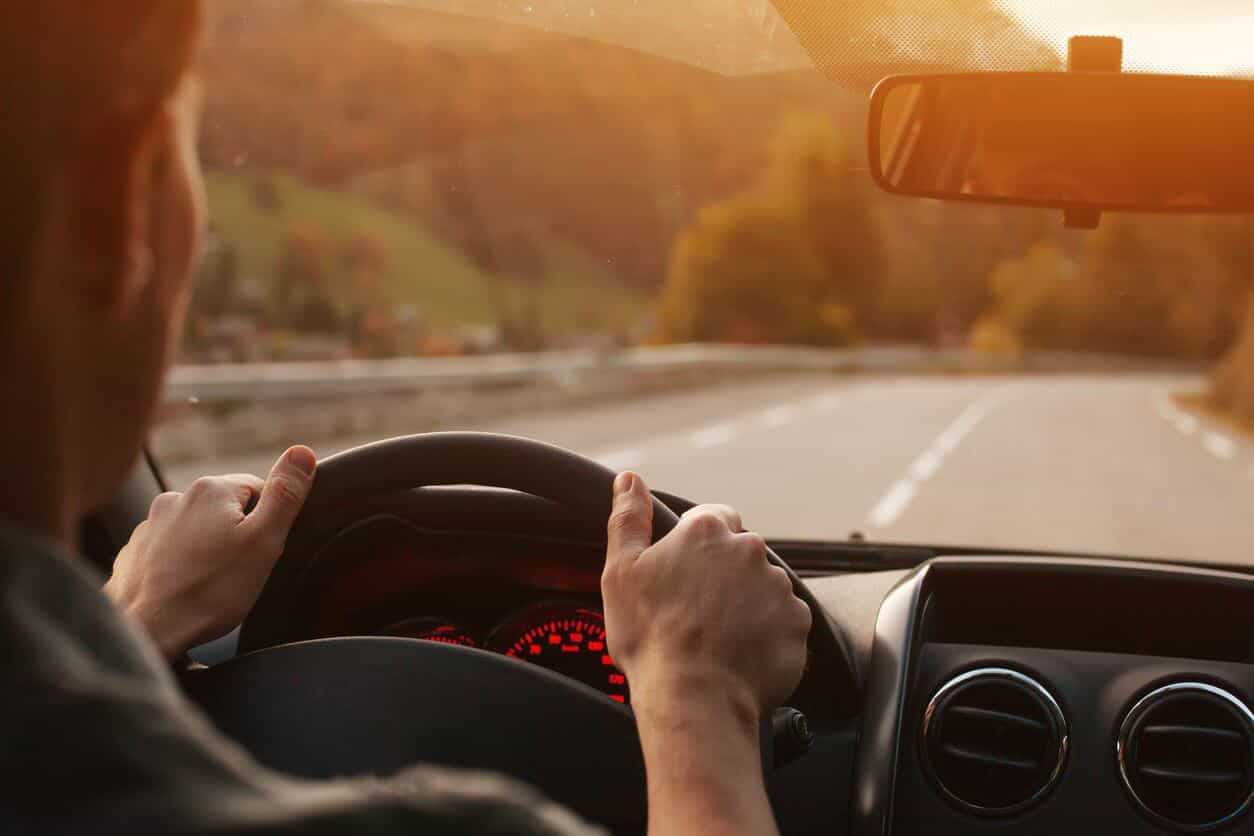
630	527
284	492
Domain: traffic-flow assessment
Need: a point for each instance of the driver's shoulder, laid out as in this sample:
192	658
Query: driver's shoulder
459	801
94	724
57	628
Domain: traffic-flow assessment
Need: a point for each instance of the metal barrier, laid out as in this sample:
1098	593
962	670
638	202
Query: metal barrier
297	381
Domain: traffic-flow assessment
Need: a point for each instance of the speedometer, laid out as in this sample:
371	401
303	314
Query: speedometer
432	630
565	638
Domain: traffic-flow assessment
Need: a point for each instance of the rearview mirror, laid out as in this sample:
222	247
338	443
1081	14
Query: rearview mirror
1083	140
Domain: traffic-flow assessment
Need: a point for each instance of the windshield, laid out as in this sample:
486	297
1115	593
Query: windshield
646	231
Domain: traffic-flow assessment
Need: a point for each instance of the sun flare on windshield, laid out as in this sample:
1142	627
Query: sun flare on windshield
1210	38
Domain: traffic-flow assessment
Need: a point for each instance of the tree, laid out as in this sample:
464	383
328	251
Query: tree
218	284
1032	296
809	161
302	299
1172	287
364	262
793	259
1232	383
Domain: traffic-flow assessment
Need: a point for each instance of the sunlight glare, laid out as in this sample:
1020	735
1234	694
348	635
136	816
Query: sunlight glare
1180	36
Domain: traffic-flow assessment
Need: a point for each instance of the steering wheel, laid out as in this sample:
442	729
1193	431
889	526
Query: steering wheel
356	705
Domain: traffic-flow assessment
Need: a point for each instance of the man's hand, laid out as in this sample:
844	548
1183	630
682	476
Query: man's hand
710	637
195	567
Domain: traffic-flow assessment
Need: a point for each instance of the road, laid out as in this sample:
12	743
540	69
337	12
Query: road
1092	463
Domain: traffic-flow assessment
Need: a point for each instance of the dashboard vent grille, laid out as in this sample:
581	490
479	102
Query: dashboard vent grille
994	741
1186	755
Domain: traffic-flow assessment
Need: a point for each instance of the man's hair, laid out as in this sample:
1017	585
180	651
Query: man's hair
70	71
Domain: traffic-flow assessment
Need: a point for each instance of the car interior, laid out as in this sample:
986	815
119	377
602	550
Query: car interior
438	600
947	689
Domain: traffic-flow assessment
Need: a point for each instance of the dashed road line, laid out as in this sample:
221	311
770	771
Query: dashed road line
714	436
1219	445
898	498
1184	423
1216	443
893	503
828	402
926	465
779	416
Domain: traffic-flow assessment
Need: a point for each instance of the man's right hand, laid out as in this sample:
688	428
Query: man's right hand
702	607
710	636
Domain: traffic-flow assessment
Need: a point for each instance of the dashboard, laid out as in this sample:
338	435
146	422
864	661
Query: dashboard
1038	696
563	636
537	601
1019	694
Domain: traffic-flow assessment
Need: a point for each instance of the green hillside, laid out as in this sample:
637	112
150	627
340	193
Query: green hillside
573	293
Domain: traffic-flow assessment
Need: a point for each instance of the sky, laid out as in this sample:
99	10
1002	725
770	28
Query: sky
1192	36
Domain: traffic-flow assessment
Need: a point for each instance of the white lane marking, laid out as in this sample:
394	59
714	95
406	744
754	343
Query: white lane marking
713	436
1165	408
717	435
779	416
894	503
1216	443
926	465
1219	445
1184	423
621	459
829	402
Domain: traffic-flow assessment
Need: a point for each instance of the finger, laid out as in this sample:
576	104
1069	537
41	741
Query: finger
804	615
245	488
283	493
754	545
728	515
630	526
140	536
778	580
163	504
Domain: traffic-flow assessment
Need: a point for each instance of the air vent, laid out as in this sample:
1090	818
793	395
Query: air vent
1186	755
994	741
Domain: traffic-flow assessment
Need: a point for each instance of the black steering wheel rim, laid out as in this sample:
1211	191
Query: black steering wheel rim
353	705
465	458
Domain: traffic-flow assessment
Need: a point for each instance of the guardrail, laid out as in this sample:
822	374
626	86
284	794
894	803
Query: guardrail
299	381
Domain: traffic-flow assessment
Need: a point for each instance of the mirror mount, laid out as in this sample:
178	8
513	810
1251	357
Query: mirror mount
1091	53
1094	53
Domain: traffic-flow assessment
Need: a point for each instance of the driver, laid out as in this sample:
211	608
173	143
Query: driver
100	225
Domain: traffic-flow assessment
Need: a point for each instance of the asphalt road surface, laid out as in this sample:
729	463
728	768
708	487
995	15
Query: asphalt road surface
1093	463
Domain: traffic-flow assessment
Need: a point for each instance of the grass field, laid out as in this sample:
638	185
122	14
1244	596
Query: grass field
574	295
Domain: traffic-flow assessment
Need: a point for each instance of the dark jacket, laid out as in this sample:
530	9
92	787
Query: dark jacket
95	738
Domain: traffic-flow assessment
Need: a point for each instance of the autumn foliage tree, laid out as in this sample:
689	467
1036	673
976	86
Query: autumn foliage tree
1232	384
301	300
793	259
1166	287
1030	298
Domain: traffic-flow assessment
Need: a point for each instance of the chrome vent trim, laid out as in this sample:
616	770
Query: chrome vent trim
1132	771
1050	724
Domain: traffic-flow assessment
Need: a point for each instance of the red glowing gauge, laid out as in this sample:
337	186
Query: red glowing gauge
432	630
567	639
